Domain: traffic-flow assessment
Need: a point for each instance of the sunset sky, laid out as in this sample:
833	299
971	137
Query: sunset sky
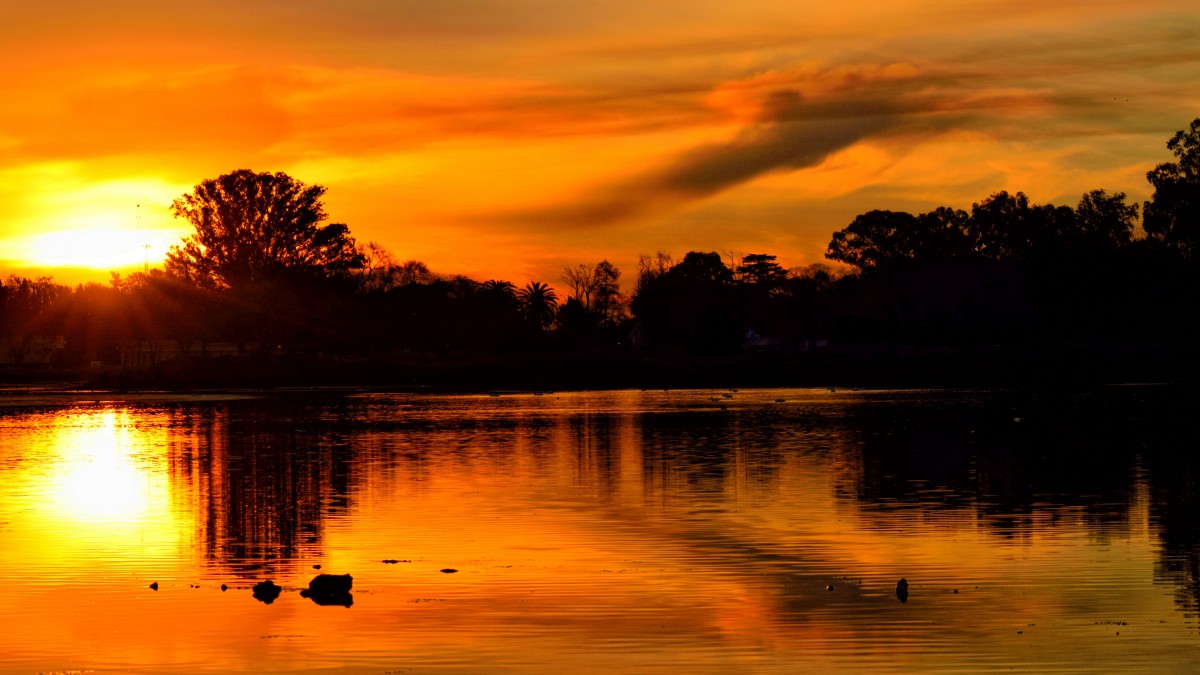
508	138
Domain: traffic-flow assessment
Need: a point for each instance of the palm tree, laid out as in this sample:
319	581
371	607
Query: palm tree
499	289
539	303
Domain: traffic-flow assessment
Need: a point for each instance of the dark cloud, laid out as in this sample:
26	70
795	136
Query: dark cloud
790	134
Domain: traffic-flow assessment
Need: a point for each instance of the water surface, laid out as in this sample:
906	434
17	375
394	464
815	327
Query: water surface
628	531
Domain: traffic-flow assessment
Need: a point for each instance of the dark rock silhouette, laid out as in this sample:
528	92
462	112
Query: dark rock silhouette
266	591
154	586
902	590
331	583
330	590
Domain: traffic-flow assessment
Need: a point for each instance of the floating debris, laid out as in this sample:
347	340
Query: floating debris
266	591
393	561
902	590
448	570
316	567
154	586
829	587
224	588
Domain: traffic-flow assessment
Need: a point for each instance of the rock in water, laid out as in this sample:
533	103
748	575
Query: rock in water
902	590
330	589
331	583
266	591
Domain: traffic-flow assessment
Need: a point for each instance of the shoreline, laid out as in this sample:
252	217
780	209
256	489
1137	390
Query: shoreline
234	378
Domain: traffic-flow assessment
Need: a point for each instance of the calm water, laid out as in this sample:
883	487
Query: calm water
677	531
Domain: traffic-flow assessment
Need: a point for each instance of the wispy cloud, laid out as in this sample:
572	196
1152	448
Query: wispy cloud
519	126
789	134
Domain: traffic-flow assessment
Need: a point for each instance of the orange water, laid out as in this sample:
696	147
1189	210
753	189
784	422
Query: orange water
676	531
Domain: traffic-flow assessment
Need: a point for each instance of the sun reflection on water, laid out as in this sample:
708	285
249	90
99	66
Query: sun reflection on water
104	475
102	485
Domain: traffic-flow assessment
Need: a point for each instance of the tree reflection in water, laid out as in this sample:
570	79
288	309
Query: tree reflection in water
1020	459
270	473
267	475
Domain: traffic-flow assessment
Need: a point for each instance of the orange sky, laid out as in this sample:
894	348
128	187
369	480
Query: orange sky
508	138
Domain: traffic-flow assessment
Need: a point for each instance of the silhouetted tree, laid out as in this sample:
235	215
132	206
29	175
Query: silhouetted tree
503	291
24	304
582	281
875	238
1105	221
1002	225
942	234
598	290
760	270
381	273
539	304
576	324
607	302
703	269
693	307
1007	227
1172	216
497	315
883	238
652	267
258	226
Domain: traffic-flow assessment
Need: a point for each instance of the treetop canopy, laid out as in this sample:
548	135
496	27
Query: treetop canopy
258	226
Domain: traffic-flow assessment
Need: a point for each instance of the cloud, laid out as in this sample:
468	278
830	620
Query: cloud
789	133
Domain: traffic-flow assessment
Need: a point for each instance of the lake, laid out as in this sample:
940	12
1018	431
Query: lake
623	531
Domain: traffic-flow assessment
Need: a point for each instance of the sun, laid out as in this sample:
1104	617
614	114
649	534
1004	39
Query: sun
91	226
99	247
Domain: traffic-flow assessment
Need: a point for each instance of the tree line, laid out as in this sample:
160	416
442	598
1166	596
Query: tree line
263	273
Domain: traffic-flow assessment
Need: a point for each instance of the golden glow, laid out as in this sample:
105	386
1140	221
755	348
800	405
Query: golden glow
456	139
105	475
103	482
66	218
576	533
100	248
